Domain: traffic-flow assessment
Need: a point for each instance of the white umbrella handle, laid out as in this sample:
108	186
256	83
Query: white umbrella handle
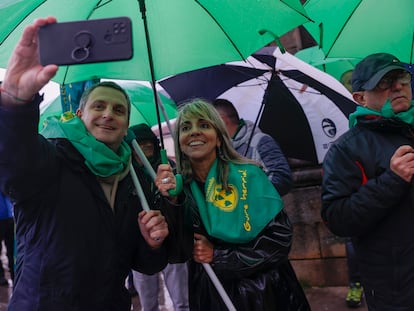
150	170
138	187
219	287
143	159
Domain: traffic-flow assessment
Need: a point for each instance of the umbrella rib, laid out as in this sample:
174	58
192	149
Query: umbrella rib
412	49
299	12
102	3
222	29
342	28
98	5
284	78
251	76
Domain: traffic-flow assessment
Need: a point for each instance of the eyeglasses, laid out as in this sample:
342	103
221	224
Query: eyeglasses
388	81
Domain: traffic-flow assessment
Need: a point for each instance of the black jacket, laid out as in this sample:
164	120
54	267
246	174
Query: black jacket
73	251
256	275
363	199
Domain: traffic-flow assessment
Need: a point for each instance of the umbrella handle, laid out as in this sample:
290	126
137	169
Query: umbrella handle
164	160
178	177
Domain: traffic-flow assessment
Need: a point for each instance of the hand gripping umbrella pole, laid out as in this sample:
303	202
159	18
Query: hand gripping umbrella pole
150	170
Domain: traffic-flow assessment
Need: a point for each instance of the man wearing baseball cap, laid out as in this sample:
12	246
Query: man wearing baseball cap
367	191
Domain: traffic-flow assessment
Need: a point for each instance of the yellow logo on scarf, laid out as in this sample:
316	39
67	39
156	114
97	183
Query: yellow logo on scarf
220	198
227	200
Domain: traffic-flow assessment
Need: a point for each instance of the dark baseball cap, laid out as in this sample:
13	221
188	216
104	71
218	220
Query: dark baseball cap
143	132
369	71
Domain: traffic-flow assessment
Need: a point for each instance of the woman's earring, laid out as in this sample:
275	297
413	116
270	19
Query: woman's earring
220	153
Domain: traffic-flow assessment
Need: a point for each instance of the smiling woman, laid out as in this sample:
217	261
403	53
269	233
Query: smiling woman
230	209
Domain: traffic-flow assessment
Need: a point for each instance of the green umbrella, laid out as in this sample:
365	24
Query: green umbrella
357	28
333	66
141	99
142	105
184	34
169	36
12	12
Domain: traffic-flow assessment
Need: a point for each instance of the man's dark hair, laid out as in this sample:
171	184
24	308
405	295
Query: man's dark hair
113	85
226	106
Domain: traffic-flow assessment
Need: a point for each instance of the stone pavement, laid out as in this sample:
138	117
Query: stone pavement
330	299
320	299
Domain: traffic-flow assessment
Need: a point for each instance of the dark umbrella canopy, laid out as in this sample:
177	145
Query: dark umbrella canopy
303	108
293	125
212	78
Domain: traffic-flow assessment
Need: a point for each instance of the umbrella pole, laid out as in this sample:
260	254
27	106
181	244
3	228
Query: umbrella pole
164	112
164	159
151	65
219	287
143	159
259	114
144	203
150	170
138	187
210	271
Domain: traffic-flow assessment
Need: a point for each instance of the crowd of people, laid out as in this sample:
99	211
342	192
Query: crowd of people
87	209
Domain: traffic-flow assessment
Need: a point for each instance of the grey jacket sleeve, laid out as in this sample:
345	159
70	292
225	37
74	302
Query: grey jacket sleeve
275	164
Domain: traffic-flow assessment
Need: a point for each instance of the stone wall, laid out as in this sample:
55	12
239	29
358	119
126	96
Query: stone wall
317	255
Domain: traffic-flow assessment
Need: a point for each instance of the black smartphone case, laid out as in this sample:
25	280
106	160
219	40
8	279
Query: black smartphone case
90	41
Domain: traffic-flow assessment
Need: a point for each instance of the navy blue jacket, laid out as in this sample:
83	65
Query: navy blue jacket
73	251
266	151
6	207
363	199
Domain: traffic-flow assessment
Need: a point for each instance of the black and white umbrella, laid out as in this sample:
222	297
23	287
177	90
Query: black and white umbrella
303	108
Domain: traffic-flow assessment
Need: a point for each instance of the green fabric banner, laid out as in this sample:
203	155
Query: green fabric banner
241	213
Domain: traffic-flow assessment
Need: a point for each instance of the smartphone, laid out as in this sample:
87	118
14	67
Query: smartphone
81	42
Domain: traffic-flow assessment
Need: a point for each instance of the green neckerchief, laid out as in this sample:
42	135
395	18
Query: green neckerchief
386	112
99	158
241	213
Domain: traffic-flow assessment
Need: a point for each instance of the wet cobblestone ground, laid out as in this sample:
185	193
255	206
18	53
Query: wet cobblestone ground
320	298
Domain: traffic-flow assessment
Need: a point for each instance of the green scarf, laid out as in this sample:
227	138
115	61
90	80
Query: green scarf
99	158
240	214
386	112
